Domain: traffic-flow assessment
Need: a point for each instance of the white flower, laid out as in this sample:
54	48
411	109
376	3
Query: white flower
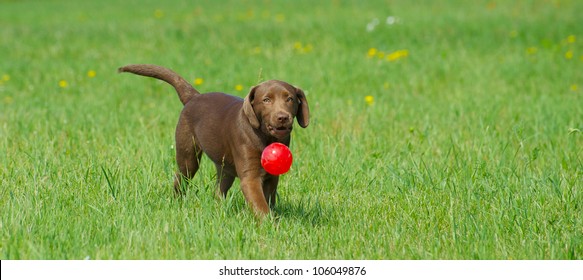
391	20
371	25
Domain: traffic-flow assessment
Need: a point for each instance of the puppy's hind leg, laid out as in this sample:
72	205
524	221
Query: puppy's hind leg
224	182
187	167
188	155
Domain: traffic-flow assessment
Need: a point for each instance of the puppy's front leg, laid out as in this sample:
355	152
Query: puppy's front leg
270	189
253	191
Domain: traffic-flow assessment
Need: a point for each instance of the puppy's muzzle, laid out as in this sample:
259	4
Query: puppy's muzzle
281	125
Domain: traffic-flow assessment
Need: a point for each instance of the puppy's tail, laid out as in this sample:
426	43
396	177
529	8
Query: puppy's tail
183	88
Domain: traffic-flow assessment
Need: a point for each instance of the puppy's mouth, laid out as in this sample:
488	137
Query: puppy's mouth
279	131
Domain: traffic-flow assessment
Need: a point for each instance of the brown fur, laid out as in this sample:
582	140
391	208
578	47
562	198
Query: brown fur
232	132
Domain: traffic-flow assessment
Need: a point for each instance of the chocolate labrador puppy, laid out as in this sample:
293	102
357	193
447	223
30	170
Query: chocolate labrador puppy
232	132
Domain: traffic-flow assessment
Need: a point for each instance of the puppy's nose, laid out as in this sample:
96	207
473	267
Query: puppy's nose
282	117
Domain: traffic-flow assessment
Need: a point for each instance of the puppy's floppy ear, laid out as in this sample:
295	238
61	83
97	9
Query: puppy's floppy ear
303	114
248	108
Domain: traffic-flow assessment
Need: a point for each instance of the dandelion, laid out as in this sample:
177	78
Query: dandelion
397	55
299	47
280	18
369	99
569	54
571	39
239	87
574	87
372	52
249	15
158	13
8	100
63	84
256	50
91	73
5	78
531	50
198	81
491	5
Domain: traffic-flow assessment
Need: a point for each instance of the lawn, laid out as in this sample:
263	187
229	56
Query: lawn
439	129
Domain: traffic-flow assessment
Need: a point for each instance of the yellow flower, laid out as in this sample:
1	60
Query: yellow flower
5	78
574	87
369	99
531	50
8	100
397	55
198	81
63	84
158	13
91	73
569	54
298	45
280	18
373	52
491	5
571	39
256	50
239	87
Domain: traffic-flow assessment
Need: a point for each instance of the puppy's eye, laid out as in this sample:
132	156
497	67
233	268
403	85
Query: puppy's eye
266	100
289	99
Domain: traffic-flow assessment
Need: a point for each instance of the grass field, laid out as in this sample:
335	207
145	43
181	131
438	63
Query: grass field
439	130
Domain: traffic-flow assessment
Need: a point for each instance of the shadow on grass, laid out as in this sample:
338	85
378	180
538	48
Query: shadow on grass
308	211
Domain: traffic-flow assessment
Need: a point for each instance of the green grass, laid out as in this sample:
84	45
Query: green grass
472	148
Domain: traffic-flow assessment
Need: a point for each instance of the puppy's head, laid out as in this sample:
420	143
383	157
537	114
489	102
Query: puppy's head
272	106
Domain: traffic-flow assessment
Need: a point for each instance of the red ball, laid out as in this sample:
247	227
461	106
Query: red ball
276	159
